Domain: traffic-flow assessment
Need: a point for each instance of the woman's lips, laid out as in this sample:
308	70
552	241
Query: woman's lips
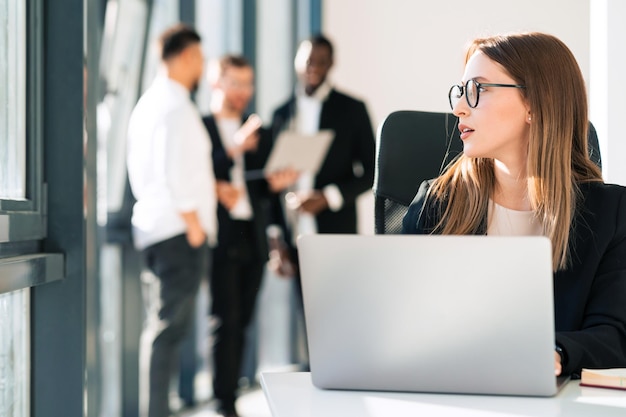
465	130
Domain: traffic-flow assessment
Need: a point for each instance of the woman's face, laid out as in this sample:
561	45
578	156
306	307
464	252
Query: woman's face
498	127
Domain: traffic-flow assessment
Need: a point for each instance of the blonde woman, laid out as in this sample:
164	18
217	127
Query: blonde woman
525	170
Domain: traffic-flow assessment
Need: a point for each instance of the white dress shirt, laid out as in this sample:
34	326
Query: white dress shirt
308	113
243	208
169	165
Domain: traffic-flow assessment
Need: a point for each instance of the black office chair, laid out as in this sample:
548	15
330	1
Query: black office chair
593	146
413	146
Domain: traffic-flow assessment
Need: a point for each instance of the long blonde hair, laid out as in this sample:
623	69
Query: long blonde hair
557	149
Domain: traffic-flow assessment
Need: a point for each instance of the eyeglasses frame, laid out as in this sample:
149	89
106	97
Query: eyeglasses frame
463	89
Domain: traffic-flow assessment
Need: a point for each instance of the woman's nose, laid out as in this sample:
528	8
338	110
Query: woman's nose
461	108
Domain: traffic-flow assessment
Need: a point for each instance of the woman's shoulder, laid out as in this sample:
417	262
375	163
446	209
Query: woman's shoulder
603	204
421	197
597	191
419	214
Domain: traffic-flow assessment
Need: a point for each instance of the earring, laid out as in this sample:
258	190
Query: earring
529	118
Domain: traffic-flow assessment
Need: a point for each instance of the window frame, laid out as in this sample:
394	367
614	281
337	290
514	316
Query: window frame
20	214
23	222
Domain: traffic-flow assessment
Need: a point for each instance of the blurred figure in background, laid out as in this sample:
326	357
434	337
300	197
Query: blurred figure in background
324	202
171	175
240	149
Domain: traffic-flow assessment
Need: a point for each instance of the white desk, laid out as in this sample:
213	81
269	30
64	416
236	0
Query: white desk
293	395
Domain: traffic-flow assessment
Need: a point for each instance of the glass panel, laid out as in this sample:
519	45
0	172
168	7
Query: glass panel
120	65
12	99
15	354
111	330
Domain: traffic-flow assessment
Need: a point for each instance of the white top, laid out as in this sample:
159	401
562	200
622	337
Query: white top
293	395
169	165
309	110
243	208
503	221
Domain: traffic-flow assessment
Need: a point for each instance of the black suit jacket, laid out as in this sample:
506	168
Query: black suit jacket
590	294
353	144
258	193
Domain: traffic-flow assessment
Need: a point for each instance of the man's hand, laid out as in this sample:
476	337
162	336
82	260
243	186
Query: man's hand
196	236
227	194
282	179
247	144
247	137
313	203
280	263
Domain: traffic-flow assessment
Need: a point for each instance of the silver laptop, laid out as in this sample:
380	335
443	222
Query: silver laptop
444	314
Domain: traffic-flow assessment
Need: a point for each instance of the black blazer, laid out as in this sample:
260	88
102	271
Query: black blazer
258	193
590	294
353	143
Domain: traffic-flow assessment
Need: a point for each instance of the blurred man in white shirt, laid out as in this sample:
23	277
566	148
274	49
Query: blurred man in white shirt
174	218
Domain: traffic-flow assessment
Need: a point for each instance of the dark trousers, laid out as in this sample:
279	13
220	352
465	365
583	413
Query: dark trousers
235	279
170	301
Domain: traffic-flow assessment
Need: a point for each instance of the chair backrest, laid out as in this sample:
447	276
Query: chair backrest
593	146
413	146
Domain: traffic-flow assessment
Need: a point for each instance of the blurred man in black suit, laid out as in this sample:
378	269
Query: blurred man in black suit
325	201
240	148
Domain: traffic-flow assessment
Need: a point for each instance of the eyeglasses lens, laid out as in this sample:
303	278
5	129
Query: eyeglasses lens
471	90
455	95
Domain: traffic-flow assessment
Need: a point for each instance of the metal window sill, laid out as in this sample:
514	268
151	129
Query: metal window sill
18	272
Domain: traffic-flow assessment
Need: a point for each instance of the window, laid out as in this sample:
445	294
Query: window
14	354
22	202
14	306
12	96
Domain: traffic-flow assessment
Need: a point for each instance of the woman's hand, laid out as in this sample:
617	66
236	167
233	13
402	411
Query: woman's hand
557	364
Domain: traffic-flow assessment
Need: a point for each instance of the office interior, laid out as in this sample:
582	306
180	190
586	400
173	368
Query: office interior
70	73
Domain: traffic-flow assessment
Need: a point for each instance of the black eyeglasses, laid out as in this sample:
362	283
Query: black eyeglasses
471	90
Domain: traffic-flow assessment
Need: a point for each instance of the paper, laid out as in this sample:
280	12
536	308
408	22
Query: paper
304	153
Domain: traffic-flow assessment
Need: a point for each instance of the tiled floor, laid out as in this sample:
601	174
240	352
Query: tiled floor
252	403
